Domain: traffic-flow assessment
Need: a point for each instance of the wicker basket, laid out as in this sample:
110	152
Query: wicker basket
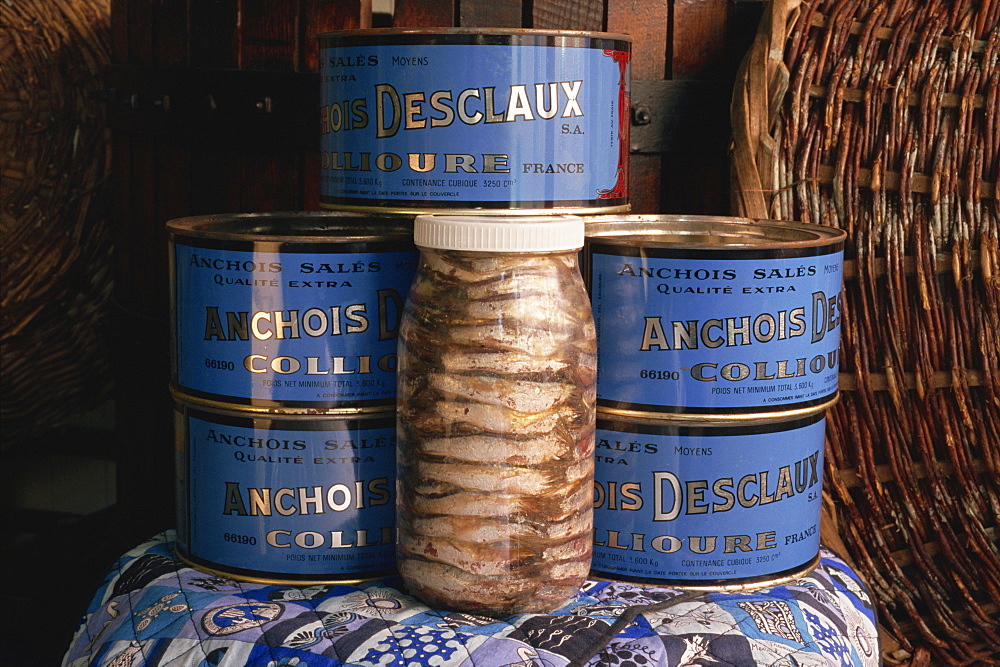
883	119
56	249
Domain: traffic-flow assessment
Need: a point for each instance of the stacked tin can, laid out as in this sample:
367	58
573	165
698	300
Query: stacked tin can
493	135
283	374
718	343
474	120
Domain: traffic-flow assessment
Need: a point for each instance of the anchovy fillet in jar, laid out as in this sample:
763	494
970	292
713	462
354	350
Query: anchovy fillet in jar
496	405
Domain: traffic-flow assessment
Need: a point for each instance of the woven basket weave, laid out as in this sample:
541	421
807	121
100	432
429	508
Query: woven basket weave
883	119
56	249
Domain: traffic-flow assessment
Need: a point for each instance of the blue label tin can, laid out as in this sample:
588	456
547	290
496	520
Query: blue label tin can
286	312
471	119
713	507
714	318
286	498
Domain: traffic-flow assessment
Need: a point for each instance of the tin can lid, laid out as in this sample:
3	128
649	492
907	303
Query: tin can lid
485	233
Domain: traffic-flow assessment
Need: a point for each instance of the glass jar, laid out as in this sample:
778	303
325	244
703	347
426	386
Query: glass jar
495	418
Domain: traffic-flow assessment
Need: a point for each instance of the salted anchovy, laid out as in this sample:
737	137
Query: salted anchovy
469	268
460	502
473	558
495	401
476	417
461	361
492	530
491	449
538	313
446	586
518	395
503	479
493	560
465	503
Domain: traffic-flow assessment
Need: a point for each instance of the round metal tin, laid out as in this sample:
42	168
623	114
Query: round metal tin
473	120
286	499
707	507
703	318
288	312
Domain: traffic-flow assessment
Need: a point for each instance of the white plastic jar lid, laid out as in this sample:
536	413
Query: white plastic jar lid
497	233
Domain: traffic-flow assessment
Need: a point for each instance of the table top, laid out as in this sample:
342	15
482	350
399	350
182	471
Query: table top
154	610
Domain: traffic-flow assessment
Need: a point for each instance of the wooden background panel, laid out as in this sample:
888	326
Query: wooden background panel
425	13
495	14
158	177
698	44
586	15
216	43
268	35
695	179
317	18
648	24
169	40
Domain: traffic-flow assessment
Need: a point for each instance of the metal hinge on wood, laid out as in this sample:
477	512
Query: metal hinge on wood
679	116
215	104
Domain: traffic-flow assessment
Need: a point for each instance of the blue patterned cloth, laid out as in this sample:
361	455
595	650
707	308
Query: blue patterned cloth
153	610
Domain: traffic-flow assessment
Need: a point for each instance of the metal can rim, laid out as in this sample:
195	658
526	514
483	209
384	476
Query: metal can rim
278	580
182	398
659	423
719	419
333	35
429	210
708	232
719	586
305	227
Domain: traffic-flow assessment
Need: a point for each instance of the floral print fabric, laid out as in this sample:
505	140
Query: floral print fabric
152	610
